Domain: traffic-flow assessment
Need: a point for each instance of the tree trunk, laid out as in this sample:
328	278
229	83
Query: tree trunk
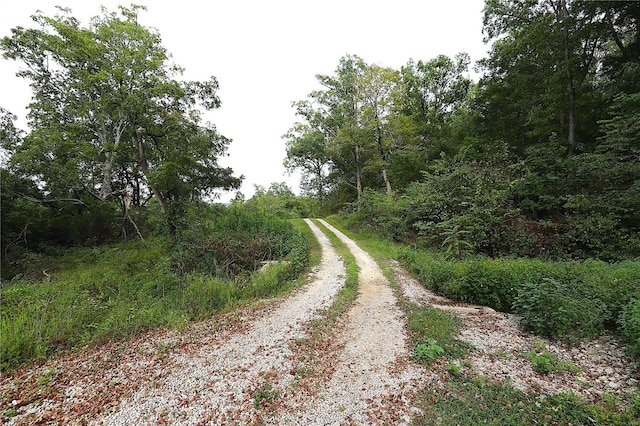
144	166
383	157
107	169
562	10
358	172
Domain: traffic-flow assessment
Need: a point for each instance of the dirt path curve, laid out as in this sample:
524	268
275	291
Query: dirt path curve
372	383
212	372
216	385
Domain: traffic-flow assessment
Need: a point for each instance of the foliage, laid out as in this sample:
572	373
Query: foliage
562	300
469	400
279	200
235	241
115	291
379	213
561	309
110	123
266	394
428	351
630	325
545	363
538	159
546	206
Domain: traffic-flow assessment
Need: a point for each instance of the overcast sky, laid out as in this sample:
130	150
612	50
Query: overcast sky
266	54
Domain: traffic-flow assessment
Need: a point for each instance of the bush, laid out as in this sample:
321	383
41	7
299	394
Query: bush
116	291
231	242
563	300
379	213
557	309
630	325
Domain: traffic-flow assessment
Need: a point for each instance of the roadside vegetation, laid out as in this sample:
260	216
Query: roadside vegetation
464	398
519	191
114	291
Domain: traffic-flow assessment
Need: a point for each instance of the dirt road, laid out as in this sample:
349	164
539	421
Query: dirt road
245	367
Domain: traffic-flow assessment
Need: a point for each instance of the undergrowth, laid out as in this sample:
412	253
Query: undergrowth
466	400
113	292
567	301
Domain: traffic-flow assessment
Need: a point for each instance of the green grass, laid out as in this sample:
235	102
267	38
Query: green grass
567	301
116	291
315	251
321	329
349	291
467	400
474	401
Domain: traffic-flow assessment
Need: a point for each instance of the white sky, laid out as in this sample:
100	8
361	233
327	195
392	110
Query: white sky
266	54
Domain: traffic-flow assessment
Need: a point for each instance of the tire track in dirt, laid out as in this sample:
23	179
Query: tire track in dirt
372	383
216	385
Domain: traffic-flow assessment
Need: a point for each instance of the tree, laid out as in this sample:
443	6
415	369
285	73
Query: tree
541	70
307	150
434	90
334	112
379	94
108	118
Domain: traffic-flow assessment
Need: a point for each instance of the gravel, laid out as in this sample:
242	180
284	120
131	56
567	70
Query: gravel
215	372
219	382
500	347
372	382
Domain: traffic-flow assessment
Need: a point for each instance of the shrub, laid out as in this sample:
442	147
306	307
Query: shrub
562	300
230	242
630	325
380	213
557	309
113	292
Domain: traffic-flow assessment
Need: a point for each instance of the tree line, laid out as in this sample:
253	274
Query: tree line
114	132
541	156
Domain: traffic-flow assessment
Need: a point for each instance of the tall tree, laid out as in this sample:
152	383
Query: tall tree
308	152
334	112
541	69
379	92
434	91
109	119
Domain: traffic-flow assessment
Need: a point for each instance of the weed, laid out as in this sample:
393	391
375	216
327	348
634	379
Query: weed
546	363
454	370
47	377
474	400
428	351
162	347
264	395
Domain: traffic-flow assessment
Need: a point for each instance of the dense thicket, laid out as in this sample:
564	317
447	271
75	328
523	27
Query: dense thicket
540	157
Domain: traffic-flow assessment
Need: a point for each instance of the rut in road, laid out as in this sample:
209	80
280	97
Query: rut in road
217	385
372	383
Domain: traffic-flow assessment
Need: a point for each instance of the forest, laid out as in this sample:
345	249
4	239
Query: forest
526	181
519	191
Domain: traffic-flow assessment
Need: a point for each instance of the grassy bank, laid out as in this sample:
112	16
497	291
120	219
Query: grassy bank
568	301
115	291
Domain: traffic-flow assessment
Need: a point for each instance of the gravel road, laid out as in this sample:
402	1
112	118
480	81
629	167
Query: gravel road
359	373
218	384
371	382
